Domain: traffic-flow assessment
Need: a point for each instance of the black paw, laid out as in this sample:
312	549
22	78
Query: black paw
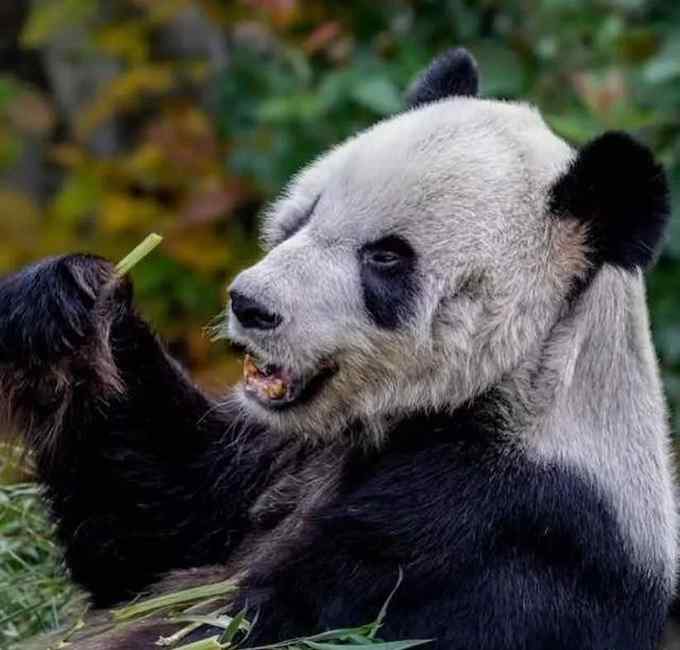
53	308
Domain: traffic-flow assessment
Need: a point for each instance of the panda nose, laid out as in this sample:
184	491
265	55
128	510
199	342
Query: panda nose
251	314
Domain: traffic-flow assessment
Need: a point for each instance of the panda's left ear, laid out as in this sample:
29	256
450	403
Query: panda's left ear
615	187
451	74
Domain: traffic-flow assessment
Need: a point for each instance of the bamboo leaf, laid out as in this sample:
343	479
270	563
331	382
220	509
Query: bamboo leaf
173	600
237	623
179	635
205	644
221	622
388	645
377	624
343	633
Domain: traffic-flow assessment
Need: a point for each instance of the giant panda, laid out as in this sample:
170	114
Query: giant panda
449	375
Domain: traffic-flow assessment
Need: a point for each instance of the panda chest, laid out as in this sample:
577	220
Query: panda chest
296	494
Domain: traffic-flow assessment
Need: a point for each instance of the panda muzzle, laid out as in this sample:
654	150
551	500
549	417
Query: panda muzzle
277	387
269	382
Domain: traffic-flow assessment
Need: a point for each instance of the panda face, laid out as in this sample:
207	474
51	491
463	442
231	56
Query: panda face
407	270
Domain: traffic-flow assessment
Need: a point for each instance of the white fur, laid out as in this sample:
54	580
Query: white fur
604	413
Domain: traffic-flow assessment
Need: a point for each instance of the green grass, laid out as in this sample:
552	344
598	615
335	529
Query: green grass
35	595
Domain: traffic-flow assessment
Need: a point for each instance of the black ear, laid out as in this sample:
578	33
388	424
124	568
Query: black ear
450	74
617	189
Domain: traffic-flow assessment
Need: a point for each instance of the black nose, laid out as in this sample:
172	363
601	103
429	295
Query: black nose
251	313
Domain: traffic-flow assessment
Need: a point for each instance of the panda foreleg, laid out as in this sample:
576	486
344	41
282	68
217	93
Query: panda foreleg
129	451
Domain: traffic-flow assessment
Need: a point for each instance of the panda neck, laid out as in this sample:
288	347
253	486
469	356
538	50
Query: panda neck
598	363
594	402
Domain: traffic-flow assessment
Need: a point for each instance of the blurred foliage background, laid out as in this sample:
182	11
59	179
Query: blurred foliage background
185	116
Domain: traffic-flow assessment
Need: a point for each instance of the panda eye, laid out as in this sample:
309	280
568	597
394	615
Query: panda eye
383	258
387	253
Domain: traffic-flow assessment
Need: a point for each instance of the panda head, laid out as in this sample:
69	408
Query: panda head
416	265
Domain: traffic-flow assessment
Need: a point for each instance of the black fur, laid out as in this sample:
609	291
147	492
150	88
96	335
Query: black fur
127	469
389	288
498	553
62	291
617	189
452	74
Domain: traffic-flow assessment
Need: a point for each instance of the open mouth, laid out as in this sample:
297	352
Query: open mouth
277	387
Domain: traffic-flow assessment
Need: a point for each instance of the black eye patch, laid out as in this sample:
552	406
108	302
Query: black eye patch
387	268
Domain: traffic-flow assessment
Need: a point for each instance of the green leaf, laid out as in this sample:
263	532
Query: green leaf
377	624
237	623
502	69
206	644
343	634
387	645
575	127
221	622
665	65
360	639
305	107
79	197
11	148
378	94
9	89
174	599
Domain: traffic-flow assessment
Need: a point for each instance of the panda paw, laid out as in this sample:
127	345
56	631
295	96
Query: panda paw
53	309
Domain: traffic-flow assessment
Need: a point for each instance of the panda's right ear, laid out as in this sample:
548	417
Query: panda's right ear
620	193
451	74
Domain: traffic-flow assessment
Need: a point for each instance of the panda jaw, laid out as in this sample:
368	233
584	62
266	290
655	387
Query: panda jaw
276	387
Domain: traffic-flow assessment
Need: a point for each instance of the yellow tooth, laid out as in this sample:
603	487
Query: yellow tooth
249	367
275	389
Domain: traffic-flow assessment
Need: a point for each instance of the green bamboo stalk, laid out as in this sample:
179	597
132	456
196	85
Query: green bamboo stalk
138	254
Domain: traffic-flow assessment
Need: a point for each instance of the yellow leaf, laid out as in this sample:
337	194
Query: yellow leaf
197	248
120	212
50	17
126	92
128	41
19	227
